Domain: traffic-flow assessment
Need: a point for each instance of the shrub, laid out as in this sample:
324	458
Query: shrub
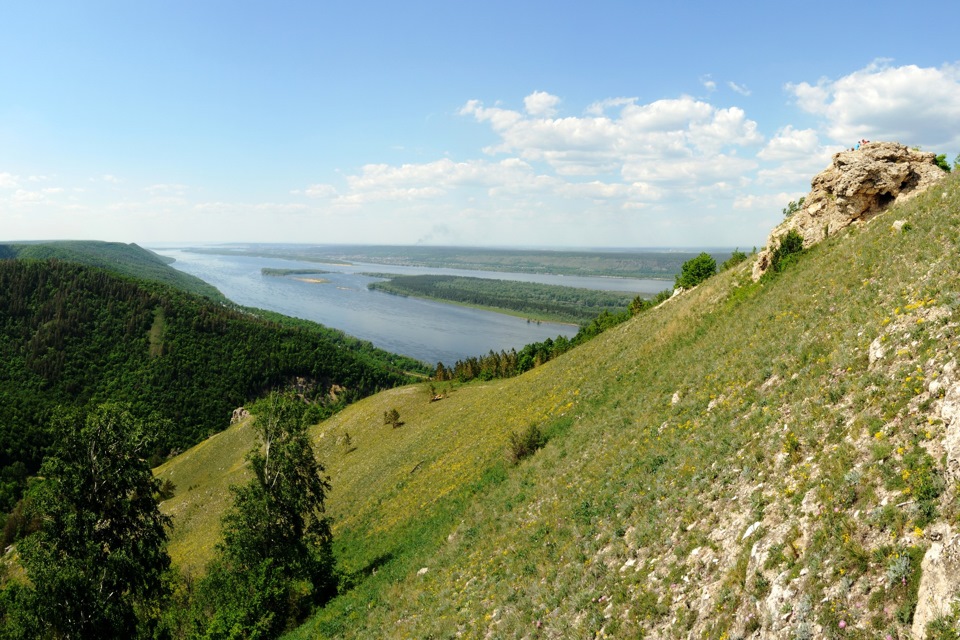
941	161
790	246
946	626
735	258
392	418
792	207
696	270
523	445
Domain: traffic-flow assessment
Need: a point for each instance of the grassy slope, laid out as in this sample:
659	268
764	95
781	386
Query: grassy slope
200	476
734	404
126	259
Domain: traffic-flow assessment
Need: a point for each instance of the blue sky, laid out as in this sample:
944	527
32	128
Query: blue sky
620	124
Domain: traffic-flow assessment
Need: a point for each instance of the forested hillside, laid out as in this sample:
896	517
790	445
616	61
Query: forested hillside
124	259
77	336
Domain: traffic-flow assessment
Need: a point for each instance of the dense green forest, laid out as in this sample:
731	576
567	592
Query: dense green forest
74	336
124	259
531	299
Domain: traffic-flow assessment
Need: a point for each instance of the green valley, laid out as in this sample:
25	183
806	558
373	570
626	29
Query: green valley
770	456
75	336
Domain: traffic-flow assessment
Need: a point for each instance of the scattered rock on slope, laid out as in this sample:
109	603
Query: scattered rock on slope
854	188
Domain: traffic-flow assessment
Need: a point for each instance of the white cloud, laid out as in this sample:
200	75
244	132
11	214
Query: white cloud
621	161
499	118
769	202
708	83
27	197
112	179
739	88
383	182
909	104
541	104
8	181
319	191
791	144
794	156
600	107
596	144
693	171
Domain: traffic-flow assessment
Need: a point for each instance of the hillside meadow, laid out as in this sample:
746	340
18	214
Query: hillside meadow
732	462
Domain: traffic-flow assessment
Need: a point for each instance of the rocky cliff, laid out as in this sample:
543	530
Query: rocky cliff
855	187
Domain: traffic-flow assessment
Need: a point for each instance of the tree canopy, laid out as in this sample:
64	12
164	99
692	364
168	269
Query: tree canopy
98	560
77	336
696	270
276	557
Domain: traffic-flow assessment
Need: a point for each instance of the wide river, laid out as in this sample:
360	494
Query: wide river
423	329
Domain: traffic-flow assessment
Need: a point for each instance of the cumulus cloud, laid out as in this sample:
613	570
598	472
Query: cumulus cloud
794	156
596	144
420	181
618	156
790	144
599	107
910	104
541	104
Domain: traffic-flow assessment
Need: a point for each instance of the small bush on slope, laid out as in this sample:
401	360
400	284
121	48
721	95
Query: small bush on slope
695	271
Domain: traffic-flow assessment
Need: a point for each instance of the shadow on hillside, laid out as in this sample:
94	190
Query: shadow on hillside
354	578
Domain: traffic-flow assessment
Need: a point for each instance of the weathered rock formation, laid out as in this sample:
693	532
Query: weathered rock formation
854	188
239	414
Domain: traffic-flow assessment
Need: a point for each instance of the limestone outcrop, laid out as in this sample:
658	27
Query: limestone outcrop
855	187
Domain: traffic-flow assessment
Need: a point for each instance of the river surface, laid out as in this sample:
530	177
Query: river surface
423	329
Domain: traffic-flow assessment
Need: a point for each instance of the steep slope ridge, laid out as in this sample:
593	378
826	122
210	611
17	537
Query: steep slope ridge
739	462
856	186
124	259
732	464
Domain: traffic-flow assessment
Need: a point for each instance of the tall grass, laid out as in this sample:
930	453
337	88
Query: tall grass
698	459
